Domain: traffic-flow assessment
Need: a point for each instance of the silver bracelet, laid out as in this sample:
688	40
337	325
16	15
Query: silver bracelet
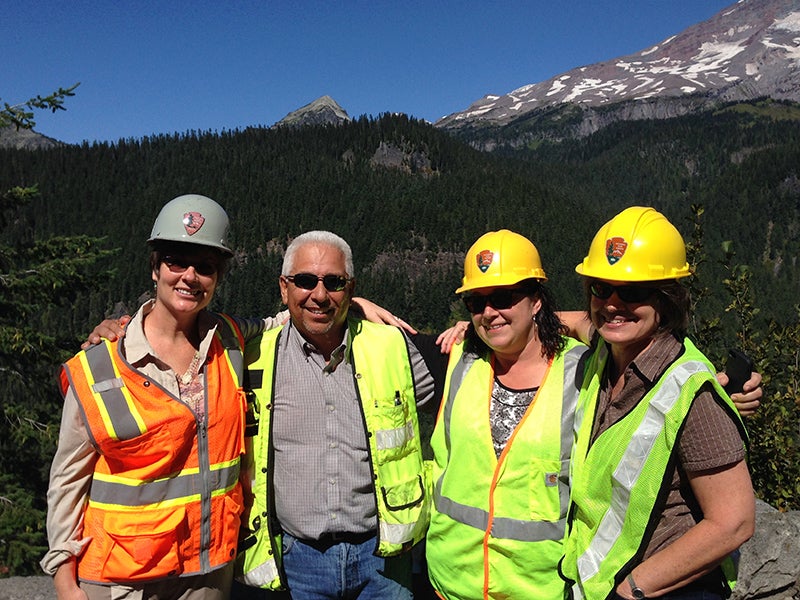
637	592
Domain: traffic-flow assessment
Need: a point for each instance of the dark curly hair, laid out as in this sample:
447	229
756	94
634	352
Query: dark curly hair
550	330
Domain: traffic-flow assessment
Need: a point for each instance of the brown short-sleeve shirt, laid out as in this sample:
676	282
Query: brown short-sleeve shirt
709	439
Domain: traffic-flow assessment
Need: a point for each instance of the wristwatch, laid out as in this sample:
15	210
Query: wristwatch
637	592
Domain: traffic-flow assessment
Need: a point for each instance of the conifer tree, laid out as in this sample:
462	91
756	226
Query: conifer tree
37	276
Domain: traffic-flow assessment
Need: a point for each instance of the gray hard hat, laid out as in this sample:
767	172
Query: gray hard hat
193	219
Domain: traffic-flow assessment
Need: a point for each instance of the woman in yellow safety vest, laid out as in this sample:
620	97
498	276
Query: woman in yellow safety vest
144	497
503	435
661	494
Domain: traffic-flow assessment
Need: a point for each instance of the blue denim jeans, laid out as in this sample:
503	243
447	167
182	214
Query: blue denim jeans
345	571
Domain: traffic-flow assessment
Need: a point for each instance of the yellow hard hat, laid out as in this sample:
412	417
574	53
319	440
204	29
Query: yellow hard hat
500	258
639	244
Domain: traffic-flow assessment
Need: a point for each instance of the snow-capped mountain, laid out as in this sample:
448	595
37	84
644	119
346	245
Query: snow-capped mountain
749	50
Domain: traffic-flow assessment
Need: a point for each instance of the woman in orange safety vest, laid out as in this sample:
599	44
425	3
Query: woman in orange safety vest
144	497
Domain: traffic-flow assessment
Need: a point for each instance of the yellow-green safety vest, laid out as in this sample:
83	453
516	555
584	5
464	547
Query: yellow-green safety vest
497	524
385	387
619	481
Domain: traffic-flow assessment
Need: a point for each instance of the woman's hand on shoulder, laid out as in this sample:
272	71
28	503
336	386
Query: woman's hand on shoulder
452	336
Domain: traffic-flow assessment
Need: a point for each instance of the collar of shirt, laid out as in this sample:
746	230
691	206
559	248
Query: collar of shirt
137	349
340	353
640	376
654	359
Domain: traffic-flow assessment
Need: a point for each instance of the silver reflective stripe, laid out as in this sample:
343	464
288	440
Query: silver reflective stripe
456	377
109	387
262	575
113	490
394	438
397	533
598	358
630	466
108	384
528	531
577	592
571	393
230	341
502	528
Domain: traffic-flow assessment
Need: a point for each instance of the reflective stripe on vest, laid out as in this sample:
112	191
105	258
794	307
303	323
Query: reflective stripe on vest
185	486
119	413
609	522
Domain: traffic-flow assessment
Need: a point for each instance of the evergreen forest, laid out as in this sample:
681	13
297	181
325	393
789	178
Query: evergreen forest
75	220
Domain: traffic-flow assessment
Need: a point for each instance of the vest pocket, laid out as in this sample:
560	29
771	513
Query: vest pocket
145	545
392	410
545	489
404	495
152	448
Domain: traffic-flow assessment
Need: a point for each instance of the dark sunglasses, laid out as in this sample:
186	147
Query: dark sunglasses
308	281
499	299
179	264
626	293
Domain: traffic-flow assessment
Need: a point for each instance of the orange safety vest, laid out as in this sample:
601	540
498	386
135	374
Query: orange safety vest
165	499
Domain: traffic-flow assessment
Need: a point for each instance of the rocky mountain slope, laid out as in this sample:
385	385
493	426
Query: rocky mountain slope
749	50
322	111
24	139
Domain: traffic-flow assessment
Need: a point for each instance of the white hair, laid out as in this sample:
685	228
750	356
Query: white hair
326	238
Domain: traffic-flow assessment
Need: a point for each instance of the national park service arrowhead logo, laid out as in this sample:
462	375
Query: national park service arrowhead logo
615	249
192	222
484	259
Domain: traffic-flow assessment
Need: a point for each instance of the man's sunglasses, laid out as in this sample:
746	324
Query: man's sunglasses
626	293
499	299
179	264
309	281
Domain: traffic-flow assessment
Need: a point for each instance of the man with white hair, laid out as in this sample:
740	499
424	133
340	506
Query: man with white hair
339	491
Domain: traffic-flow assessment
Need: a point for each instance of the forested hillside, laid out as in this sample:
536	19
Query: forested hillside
409	229
731	175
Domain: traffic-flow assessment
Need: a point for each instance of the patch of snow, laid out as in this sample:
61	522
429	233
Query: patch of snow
651	94
558	86
792	52
713	56
790	22
521	90
478	112
587	86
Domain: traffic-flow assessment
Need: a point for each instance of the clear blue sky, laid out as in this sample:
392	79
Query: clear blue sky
173	66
